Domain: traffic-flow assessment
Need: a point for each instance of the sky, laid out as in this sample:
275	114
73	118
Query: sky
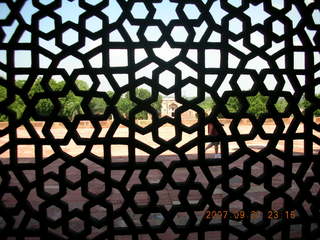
165	11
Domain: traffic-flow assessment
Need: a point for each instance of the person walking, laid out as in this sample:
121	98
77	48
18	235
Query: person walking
212	131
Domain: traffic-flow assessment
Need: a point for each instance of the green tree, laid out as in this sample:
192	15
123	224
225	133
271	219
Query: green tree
281	105
3	96
97	106
70	106
3	93
207	104
233	105
82	85
304	104
18	106
257	104
56	86
125	104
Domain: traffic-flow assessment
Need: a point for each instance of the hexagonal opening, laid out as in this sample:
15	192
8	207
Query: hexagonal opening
154	176
143	92
277	4
257	39
191	11
315	189
236	206
96	186
54	213
97	106
167	79
235	3
94	24
233	105
155	219
58	130
84	83
44	107
5	11
9	200
51	186
270	82
142	198
93	2
278	28
245	82
188	116
85	129
139	10
218	195
46	24
179	34
207	105
281	105
181	218
256	216
3	93
73	174
152	33
257	169
235	182
245	126
98	212
189	91
235	26
277	204
180	175
303	104
56	85
167	131
316	16
70	37
269	126
46	2
115	198
194	196
76	225
277	180
142	119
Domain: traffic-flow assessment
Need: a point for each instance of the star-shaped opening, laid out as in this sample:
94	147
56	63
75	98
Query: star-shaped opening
67	8
257	14
166	11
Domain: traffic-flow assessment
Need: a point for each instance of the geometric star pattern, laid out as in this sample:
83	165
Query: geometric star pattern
62	178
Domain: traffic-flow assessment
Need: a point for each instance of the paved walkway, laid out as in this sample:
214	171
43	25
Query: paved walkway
168	194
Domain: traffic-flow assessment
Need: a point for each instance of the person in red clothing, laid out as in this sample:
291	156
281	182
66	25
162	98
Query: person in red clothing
212	131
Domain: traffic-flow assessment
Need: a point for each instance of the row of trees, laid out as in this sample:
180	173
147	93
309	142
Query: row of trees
257	105
71	103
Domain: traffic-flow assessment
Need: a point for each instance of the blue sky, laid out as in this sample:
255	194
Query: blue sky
165	11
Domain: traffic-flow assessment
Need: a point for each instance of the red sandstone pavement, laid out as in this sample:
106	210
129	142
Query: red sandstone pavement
59	131
168	196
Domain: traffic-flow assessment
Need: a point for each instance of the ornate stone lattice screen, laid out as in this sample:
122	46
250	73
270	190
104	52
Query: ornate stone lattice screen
76	164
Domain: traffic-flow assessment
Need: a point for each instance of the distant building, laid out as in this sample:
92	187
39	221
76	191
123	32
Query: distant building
169	105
